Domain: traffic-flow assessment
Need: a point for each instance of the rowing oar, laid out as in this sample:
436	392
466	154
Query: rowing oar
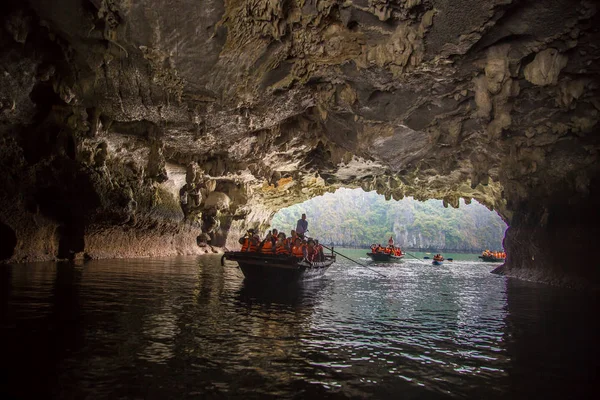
416	258
348	258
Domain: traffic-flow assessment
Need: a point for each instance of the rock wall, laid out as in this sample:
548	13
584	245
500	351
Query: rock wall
268	103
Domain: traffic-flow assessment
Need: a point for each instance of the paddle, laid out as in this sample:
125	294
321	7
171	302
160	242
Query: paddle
348	258
416	258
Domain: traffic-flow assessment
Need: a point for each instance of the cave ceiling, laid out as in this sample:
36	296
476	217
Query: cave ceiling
279	101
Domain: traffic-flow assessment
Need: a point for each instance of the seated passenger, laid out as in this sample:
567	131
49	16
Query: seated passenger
281	246
254	243
298	249
266	246
245	240
320	251
312	254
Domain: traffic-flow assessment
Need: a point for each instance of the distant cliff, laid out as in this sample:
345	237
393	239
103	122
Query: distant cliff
357	218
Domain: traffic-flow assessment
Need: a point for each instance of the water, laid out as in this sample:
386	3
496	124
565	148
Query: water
189	328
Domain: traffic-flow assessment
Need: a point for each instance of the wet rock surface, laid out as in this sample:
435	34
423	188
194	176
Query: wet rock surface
144	129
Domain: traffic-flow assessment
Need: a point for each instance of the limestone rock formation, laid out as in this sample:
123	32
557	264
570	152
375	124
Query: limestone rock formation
142	128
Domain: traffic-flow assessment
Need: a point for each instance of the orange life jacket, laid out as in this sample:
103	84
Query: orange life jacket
312	255
252	246
281	248
267	247
289	242
298	251
246	244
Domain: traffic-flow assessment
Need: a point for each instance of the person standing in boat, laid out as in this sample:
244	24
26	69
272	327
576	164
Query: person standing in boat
391	242
302	226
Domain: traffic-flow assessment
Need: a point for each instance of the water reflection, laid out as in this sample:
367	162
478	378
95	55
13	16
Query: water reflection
189	327
551	337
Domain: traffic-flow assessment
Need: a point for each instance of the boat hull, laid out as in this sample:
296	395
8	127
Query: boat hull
435	262
274	268
384	257
491	259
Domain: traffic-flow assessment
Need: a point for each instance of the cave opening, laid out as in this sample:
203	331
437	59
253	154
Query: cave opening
8	242
356	219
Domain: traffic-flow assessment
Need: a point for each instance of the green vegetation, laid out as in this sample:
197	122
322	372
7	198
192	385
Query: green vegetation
354	218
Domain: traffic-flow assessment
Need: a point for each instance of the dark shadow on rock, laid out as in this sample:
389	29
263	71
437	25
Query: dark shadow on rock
8	242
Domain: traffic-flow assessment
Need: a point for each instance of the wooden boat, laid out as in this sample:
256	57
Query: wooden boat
278	268
384	257
491	259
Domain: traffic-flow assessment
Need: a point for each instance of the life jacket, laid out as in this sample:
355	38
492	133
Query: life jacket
251	246
298	251
267	247
281	248
312	255
245	245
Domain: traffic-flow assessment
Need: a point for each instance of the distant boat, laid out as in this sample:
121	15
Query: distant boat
491	259
385	257
277	268
438	260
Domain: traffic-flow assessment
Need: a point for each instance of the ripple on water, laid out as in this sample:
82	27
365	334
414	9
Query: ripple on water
163	328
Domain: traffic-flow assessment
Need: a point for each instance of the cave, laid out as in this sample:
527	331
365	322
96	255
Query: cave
115	134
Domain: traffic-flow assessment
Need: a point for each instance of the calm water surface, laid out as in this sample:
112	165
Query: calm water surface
190	328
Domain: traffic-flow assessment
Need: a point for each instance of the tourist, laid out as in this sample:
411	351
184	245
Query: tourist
302	226
266	246
289	242
320	252
254	243
311	252
245	240
298	249
391	241
281	246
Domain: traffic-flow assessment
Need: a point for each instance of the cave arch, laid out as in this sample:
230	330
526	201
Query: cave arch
8	242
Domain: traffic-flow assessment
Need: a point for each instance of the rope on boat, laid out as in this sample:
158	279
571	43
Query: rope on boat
348	258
